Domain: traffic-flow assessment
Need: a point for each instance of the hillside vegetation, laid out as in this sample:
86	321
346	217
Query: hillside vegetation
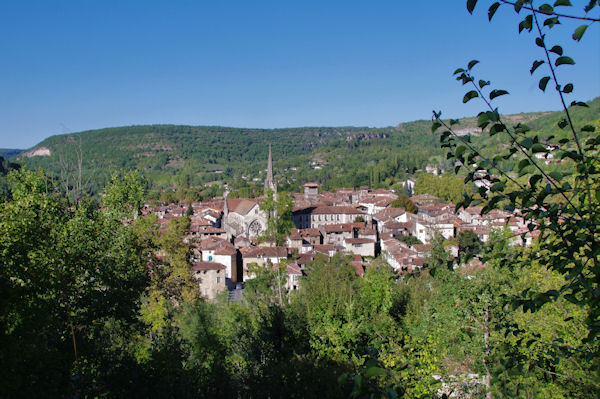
183	156
9	152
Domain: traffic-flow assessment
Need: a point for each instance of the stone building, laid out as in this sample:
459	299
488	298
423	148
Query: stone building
242	217
210	277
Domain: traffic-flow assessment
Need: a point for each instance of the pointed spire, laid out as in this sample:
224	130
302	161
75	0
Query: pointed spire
269	181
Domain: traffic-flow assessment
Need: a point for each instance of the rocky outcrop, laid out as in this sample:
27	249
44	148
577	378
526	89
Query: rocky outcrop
36	152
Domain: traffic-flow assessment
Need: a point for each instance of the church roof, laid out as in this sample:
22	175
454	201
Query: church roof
241	205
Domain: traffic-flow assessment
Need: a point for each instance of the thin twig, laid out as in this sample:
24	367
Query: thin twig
553	12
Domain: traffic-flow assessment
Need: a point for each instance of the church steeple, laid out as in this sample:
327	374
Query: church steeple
269	181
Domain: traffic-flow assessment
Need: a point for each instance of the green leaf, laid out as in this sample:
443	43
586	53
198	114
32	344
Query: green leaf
483	83
492	10
535	66
539	42
579	104
524	163
590	5
546	9
562	123
496	128
435	126
497	187
526	23
483	120
518	5
556	175
374	371
588	128
568	88
471	5
459	151
556	50
459	70
534	179
564	60
472	63
469	96
538	148
562	3
521	128
526	143
550	22
579	32
497	93
544	83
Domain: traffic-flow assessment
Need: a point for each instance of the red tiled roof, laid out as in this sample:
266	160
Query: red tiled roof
199	266
293	268
310	232
359	240
336	210
337	228
264	252
225	251
305	258
241	205
358	268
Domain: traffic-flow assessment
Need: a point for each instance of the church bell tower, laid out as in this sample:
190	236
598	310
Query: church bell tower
269	181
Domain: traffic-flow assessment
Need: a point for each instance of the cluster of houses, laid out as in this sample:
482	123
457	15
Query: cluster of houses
228	245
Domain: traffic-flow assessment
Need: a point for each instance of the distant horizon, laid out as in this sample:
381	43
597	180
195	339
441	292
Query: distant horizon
444	116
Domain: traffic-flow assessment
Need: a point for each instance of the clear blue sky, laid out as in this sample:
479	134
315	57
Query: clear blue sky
77	65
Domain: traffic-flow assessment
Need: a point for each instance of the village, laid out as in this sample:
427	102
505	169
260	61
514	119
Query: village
225	234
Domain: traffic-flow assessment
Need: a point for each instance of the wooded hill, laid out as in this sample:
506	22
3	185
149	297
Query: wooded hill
183	156
9	152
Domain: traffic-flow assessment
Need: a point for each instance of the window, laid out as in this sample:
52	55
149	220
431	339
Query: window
218	280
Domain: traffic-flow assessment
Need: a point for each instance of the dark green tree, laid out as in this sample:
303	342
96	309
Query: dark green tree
469	245
403	201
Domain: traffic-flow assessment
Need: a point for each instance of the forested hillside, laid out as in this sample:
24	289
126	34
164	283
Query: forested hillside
9	152
183	156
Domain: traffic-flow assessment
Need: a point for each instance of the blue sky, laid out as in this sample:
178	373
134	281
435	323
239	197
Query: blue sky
77	65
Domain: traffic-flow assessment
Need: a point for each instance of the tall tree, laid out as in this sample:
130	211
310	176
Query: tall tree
66	275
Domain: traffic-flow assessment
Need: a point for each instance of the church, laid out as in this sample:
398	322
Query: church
242	217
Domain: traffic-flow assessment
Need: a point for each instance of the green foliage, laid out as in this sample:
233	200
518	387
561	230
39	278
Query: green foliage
469	245
410	240
403	201
58	303
279	211
125	194
446	187
558	203
438	256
